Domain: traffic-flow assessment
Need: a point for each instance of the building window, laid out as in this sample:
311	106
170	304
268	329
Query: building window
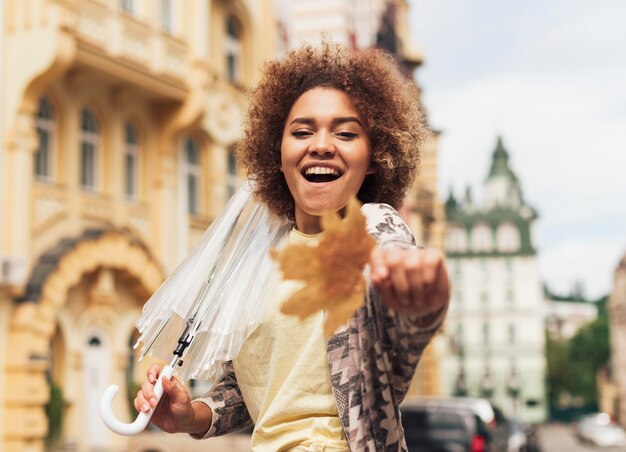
456	240
128	6
44	122
89	148
231	181
511	334
131	162
166	16
484	269
485	334
482	238
510	295
232	49
192	171
508	238
458	272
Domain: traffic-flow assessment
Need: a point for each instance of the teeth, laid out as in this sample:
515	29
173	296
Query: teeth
321	170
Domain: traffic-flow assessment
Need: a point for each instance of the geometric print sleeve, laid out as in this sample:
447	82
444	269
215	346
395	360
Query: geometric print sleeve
226	402
407	335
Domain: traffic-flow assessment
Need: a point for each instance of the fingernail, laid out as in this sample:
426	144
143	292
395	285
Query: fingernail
151	378
153	401
145	407
382	271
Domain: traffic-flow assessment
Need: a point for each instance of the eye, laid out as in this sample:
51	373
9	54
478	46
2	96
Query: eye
301	133
347	135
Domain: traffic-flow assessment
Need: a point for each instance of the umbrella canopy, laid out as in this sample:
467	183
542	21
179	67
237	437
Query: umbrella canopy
215	298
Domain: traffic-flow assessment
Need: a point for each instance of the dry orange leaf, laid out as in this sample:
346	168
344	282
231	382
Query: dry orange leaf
332	271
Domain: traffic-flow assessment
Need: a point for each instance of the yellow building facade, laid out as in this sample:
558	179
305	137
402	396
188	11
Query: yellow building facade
118	124
118	120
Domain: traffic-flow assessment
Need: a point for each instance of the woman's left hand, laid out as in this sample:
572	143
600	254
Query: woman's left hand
411	281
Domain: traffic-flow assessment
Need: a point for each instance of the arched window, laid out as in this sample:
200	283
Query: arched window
232	49
508	238
45	124
131	162
456	239
191	173
89	150
482	238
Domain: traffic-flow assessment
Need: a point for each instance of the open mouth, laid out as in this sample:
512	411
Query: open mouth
318	174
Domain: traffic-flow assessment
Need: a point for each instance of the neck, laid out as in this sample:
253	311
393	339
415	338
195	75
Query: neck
310	225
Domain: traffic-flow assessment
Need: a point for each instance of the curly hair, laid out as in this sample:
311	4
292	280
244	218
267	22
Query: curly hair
386	99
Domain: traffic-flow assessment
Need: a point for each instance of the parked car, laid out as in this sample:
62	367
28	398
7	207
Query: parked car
519	436
497	424
444	429
600	430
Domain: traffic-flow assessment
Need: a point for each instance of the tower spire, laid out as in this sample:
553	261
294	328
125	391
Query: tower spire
500	162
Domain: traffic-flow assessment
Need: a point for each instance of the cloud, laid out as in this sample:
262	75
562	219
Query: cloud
554	88
591	261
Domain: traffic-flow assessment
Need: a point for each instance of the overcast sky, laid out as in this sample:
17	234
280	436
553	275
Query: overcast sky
550	77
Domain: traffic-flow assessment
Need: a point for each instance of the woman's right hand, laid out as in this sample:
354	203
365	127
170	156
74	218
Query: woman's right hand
174	412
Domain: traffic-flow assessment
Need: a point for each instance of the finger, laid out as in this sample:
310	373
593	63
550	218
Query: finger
176	391
399	280
442	285
147	390
413	263
378	265
432	260
141	404
153	372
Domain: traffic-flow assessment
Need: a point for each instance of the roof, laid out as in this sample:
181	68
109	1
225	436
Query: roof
500	163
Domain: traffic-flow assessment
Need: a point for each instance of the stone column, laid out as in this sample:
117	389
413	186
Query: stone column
21	145
169	215
26	390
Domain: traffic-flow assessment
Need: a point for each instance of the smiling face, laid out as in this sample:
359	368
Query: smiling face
325	154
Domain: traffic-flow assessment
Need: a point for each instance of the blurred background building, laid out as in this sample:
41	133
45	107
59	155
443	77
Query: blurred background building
495	325
615	401
566	314
118	124
119	120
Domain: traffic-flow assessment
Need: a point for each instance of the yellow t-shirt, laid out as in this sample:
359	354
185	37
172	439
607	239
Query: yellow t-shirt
282	372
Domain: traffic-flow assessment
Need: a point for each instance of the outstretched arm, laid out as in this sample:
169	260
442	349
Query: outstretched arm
412	281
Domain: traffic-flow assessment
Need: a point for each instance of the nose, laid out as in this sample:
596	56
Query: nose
322	144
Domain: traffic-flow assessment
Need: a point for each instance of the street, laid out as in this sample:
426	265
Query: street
152	441
559	438
552	438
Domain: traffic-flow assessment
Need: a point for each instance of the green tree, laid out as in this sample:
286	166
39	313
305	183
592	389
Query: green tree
589	350
559	373
573	364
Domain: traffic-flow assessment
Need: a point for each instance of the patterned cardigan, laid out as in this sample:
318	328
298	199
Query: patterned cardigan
371	361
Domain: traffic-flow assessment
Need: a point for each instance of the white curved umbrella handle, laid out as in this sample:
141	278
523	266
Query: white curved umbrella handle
109	419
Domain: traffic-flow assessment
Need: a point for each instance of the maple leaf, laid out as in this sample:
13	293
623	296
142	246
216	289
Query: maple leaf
332	271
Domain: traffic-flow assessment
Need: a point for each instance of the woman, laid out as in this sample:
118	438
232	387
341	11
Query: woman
325	125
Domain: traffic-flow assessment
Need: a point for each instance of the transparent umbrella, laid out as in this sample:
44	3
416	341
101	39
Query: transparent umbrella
203	312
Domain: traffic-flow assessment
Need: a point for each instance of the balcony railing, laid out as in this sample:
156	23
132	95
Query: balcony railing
124	37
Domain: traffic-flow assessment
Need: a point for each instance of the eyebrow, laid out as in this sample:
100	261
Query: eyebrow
335	121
